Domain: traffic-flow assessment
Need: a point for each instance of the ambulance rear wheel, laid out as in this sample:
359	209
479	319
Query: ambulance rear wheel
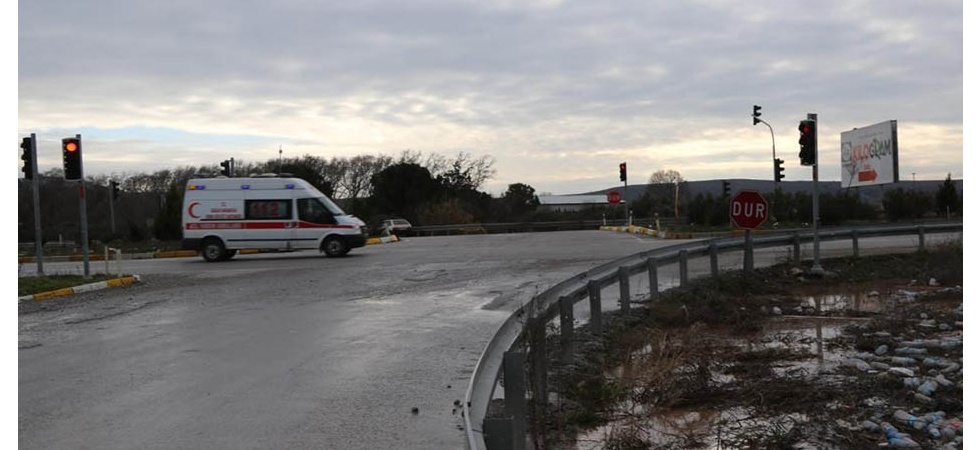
334	247
213	250
229	254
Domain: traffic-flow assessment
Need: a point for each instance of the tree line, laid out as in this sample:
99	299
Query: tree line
424	189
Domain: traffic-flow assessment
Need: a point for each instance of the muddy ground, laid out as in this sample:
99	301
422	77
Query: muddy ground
868	355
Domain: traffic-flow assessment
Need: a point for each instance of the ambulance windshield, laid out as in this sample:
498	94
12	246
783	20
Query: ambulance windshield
331	206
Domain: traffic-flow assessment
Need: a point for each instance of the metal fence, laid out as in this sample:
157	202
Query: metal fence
503	363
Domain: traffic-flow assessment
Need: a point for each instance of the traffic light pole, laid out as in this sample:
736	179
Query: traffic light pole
816	269
112	207
775	179
83	219
38	245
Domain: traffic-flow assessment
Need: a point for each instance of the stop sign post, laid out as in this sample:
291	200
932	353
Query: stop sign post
748	209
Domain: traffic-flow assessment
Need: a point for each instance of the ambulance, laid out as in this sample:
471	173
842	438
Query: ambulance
224	215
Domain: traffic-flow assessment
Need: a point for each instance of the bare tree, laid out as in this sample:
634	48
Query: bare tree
666	187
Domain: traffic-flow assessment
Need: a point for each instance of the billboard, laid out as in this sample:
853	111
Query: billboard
869	155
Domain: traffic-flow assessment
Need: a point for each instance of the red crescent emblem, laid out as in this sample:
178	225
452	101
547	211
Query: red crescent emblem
190	210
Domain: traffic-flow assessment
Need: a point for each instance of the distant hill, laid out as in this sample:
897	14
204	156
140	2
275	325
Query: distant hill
869	194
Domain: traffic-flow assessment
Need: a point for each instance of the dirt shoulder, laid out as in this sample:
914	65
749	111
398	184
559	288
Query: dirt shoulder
870	354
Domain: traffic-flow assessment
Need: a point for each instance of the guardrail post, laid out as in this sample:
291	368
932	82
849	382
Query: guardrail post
595	307
922	238
854	243
624	290
796	247
515	403
682	265
567	318
499	433
713	253
654	282
539	375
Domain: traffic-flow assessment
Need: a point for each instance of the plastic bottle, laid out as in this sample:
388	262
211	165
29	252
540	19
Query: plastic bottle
871	426
911	351
928	387
897	439
911	382
924	399
904	417
857	364
941	379
902	371
903	361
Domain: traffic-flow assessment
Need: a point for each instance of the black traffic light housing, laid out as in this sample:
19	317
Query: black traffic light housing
756	113
71	152
726	188
226	167
622	171
808	142
28	156
114	187
777	167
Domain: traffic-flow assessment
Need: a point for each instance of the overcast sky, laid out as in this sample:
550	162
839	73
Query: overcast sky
557	92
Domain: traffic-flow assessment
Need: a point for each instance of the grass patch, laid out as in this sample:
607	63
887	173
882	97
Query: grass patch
36	285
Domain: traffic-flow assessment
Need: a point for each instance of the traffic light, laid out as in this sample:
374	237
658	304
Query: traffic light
778	169
756	113
28	156
71	152
622	171
226	167
808	142
114	186
726	188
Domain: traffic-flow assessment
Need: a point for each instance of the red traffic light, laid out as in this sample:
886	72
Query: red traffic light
805	128
71	146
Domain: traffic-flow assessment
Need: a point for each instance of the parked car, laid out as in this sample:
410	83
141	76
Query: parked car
396	226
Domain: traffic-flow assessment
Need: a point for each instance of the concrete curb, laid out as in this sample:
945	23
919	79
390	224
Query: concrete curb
115	282
635	230
382	240
174	253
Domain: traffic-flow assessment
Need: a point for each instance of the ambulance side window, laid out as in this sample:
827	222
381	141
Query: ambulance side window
310	210
268	210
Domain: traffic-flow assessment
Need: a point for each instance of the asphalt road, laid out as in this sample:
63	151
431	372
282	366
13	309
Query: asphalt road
285	351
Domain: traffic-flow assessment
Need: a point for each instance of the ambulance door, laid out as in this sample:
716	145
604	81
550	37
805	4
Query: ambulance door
269	222
315	220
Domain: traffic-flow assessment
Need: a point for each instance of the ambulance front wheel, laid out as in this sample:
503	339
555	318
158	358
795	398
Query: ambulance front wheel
213	250
335	246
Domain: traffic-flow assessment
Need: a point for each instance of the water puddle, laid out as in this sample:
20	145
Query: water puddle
803	332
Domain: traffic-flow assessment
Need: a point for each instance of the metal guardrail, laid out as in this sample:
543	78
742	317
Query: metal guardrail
529	321
513	227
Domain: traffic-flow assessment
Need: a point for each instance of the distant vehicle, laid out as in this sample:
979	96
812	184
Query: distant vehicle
224	215
396	226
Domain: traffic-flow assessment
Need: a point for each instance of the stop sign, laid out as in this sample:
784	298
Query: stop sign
613	197
748	209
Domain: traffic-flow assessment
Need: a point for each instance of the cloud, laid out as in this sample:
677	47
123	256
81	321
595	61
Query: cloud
572	86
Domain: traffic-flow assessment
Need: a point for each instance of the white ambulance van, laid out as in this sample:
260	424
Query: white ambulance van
224	215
